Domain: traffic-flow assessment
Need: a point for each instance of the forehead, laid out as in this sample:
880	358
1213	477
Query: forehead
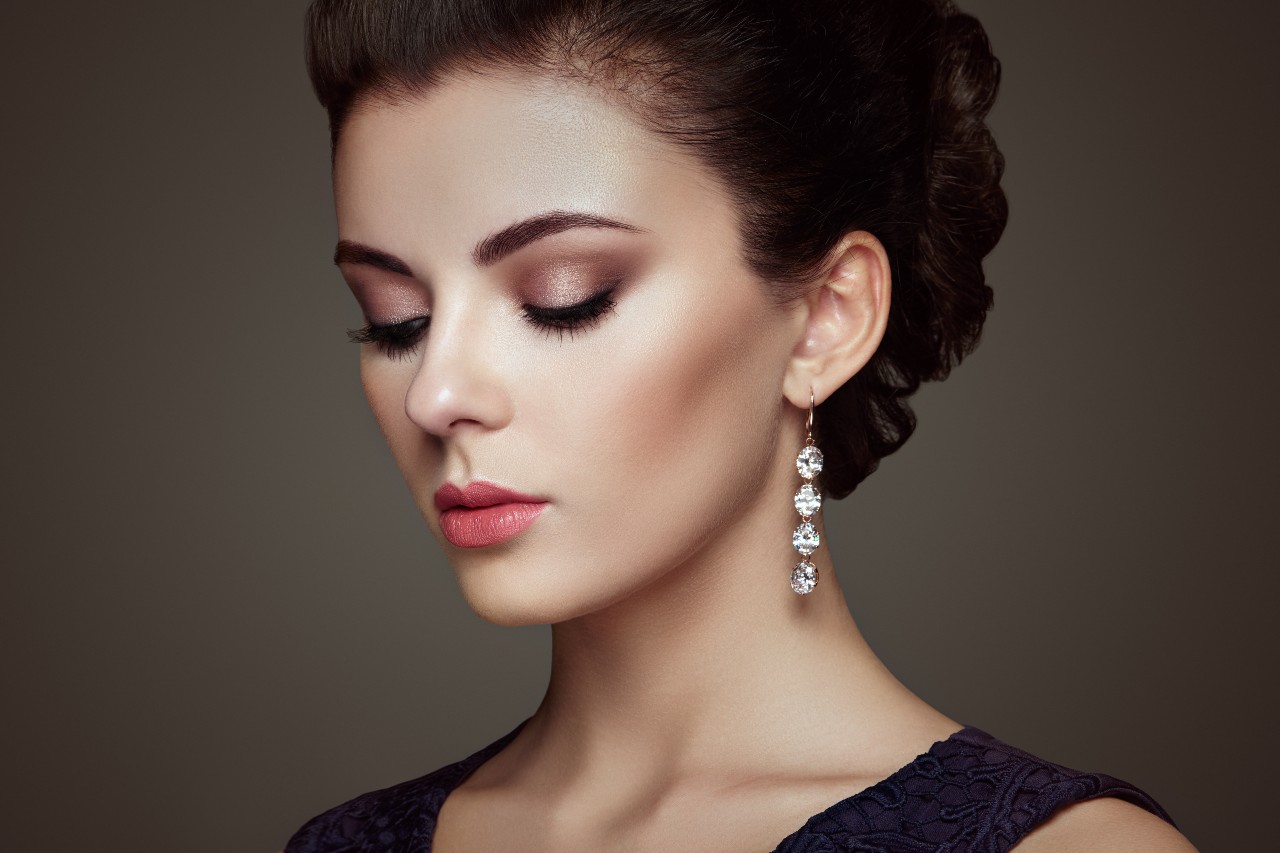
477	152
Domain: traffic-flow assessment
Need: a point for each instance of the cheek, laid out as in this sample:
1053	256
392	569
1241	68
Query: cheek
670	426
385	385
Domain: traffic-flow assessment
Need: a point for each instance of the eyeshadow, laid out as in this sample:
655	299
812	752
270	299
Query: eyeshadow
389	301
563	284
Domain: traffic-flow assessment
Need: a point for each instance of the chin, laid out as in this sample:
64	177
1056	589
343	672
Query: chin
512	609
532	599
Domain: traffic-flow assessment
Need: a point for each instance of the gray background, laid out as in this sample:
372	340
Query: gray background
222	614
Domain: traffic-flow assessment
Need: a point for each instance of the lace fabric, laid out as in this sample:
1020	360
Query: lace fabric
970	793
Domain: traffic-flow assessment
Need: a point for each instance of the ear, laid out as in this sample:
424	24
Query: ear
845	319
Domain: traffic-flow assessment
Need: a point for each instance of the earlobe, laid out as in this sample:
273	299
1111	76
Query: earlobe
845	319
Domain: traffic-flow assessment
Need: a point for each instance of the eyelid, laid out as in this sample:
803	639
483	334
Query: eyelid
569	275
580	316
387	296
600	294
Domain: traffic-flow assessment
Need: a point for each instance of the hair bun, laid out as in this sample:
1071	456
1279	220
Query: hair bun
965	209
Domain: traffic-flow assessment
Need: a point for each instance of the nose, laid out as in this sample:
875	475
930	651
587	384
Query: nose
459	382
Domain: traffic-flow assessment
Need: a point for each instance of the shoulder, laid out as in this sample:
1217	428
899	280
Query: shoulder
387	818
973	791
1052	807
400	817
1105	825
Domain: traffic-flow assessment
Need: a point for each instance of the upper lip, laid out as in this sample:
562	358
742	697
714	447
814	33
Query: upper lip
479	493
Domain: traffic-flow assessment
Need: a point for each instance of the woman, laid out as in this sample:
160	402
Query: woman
645	283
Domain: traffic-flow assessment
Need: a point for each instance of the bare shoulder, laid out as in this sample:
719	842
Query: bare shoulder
1104	825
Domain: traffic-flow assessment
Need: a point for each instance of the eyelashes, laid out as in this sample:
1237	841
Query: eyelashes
400	340
571	318
396	339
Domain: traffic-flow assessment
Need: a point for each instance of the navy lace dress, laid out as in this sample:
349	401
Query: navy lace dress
970	793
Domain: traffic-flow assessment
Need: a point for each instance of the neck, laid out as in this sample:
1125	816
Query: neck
718	658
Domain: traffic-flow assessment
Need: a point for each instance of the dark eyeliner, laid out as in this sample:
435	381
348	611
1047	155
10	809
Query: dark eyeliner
571	318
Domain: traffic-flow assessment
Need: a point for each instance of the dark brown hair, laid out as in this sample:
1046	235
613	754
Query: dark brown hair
819	116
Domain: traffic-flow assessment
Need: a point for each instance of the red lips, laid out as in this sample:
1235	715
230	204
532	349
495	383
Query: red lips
484	514
479	493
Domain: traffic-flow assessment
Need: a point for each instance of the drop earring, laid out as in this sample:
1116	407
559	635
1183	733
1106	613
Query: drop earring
804	576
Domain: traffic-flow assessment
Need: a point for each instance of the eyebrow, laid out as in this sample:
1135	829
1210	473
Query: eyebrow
350	252
493	248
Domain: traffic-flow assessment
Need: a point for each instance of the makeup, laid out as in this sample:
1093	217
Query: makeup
481	526
484	513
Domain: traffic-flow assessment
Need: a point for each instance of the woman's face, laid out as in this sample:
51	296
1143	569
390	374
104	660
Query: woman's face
646	420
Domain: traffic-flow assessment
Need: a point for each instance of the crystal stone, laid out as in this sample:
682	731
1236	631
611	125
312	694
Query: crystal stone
809	462
805	538
808	500
804	577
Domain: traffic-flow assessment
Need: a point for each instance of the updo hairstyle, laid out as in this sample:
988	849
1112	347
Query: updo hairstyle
819	117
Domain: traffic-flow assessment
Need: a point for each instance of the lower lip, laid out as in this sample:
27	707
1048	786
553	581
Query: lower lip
487	525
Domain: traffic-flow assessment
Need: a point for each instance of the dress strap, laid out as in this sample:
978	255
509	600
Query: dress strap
970	793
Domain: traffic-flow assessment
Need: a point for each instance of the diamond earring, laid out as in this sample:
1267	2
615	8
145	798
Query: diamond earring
804	577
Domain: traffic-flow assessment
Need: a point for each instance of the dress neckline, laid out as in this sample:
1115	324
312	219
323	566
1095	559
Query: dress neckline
467	766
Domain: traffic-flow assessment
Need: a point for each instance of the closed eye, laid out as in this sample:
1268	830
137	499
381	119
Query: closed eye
572	318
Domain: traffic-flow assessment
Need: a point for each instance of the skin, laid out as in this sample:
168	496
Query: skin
695	701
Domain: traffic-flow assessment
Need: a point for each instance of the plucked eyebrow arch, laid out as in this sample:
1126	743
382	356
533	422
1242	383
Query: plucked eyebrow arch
497	246
493	248
351	252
